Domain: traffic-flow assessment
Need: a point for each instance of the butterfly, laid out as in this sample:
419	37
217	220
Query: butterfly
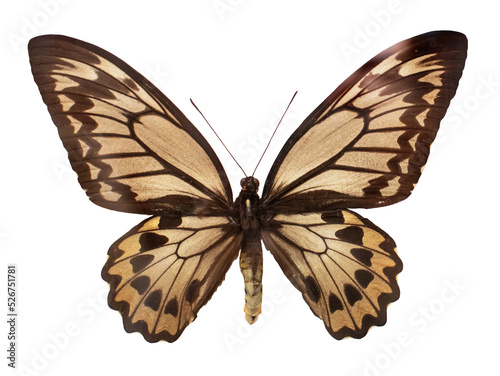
363	147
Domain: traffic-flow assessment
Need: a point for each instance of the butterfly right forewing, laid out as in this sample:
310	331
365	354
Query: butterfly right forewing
366	144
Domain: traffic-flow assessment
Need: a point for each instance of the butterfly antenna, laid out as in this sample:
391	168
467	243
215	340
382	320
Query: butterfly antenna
213	130
275	129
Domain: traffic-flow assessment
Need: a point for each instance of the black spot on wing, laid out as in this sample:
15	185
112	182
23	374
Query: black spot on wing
368	79
151	240
376	185
193	291
352	294
167	221
130	83
336	217
388	245
141	284
334	303
364	277
153	300
362	255
312	289
140	262
351	234
172	308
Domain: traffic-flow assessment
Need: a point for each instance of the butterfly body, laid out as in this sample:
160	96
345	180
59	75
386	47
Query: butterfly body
251	262
134	151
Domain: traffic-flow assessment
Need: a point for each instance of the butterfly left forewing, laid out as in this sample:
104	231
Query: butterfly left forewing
132	148
165	269
344	266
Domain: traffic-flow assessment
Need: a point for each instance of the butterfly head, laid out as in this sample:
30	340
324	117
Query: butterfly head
249	184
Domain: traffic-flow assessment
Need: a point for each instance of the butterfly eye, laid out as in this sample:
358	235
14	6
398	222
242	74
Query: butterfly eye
249	184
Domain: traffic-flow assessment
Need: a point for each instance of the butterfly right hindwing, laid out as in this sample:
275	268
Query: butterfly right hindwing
344	266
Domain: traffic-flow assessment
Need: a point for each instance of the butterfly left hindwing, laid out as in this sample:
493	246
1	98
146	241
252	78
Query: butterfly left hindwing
166	268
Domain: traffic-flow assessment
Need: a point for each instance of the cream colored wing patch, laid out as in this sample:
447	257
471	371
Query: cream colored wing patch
166	268
132	149
343	264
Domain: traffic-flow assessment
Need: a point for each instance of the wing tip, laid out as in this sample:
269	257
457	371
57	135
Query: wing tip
48	40
453	38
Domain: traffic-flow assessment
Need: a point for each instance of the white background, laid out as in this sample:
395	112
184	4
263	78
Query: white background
241	61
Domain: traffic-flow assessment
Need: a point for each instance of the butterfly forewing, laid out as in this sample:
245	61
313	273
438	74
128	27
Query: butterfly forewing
366	144
344	266
132	149
166	268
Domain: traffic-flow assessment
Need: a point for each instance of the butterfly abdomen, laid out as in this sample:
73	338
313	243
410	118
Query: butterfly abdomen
251	262
251	266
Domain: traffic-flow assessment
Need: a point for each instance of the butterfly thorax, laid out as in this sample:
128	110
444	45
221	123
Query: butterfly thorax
251	250
247	204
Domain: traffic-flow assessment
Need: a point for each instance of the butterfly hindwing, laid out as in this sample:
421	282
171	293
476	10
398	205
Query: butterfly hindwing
366	144
344	266
166	268
132	148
